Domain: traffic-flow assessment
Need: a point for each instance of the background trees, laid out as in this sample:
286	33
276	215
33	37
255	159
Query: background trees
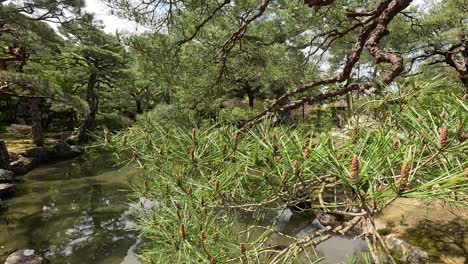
212	180
27	43
98	59
355	45
236	62
46	68
283	55
440	39
209	64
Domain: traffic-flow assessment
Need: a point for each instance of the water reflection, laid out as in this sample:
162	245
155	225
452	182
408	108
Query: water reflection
338	249
78	212
72	212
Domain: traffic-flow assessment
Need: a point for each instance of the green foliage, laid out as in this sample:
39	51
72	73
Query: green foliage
113	121
236	115
205	178
168	115
213	61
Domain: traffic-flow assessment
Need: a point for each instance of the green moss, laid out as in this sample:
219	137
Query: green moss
18	143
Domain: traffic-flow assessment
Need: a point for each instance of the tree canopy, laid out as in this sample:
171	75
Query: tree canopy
331	106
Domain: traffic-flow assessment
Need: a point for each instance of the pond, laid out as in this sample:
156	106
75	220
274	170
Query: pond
74	211
78	211
289	224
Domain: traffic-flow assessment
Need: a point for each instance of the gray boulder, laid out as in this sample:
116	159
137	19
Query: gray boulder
64	151
37	153
367	227
6	176
23	165
410	254
13	156
329	219
24	256
6	188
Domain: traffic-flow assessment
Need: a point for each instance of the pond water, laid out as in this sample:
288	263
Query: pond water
78	211
74	211
288	224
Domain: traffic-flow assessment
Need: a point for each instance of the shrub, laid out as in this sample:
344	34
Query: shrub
203	178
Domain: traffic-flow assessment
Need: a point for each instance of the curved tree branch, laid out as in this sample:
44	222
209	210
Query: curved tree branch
374	29
312	3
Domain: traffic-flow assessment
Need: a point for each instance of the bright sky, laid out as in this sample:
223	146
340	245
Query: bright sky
113	23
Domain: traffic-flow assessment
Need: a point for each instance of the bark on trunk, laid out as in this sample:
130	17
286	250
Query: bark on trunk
251	100
167	96
349	105
284	116
34	103
139	109
36	122
312	3
464	79
90	117
4	156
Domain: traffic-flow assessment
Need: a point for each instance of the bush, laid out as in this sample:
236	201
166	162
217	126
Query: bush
235	115
164	114
113	121
203	178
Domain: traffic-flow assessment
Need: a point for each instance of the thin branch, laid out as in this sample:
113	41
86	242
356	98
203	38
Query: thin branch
202	24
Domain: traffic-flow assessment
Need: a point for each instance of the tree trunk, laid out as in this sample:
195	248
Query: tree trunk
303	112
251	100
167	96
90	117
4	156
284	116
464	79
349	105
36	123
34	105
139	110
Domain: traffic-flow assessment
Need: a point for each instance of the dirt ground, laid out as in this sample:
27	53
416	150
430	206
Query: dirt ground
440	229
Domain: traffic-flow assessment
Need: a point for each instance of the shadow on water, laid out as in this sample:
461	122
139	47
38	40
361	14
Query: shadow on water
443	240
71	212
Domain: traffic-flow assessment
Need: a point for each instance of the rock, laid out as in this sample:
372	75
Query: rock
366	226
76	150
328	219
72	140
4	156
410	254
65	135
6	176
13	156
6	188
301	193
38	153
25	256
64	151
23	165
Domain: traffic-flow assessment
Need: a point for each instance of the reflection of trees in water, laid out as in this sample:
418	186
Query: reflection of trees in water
440	238
68	210
95	197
